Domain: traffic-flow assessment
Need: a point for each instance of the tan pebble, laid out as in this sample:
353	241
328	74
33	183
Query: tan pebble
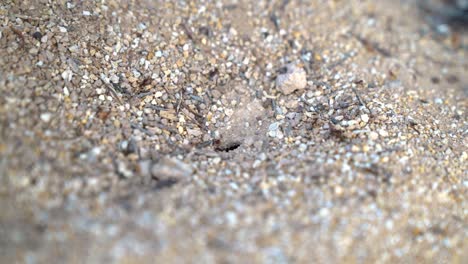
168	115
373	135
338	190
365	148
294	79
171	168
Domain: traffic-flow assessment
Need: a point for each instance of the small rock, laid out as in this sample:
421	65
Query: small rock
373	135
383	133
114	78
272	133
46	117
91	155
67	75
74	48
274	126
37	35
216	160
136	73
123	170
302	147
194	132
66	92
279	134
33	51
256	164
142	26
294	79
171	169
365	118
128	147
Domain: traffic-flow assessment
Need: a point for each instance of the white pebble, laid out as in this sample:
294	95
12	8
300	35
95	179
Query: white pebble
142	26
272	133
46	117
365	118
302	147
256	164
67	75
383	133
66	92
136	73
114	78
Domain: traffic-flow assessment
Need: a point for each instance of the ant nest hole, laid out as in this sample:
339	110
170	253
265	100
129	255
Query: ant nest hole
227	146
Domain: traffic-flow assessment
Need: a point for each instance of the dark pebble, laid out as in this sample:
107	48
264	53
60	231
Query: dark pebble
37	35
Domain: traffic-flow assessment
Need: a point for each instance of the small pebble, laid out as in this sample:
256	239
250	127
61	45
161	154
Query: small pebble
294	79
46	117
365	118
170	168
373	136
37	35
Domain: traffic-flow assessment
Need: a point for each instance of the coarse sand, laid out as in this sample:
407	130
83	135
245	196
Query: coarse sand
232	132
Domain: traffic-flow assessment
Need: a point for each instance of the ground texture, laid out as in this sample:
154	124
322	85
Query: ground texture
159	132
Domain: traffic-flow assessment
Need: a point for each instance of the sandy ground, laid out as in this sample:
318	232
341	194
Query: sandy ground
232	131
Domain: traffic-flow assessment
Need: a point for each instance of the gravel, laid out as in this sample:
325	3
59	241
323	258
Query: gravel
232	131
